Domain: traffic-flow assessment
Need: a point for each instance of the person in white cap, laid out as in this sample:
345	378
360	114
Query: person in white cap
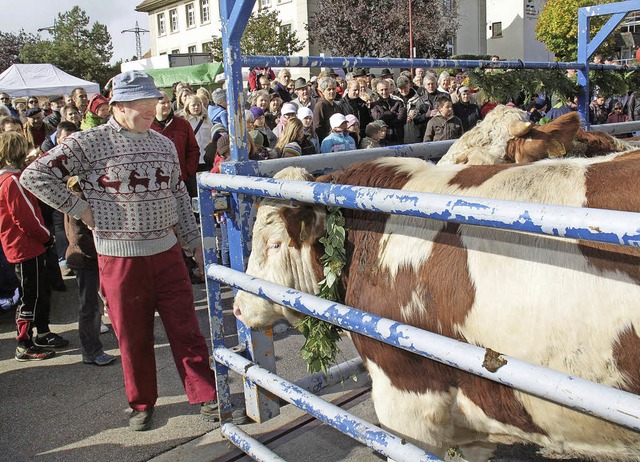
287	112
140	214
338	139
310	144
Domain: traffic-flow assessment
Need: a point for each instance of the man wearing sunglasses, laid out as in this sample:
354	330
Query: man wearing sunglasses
6	100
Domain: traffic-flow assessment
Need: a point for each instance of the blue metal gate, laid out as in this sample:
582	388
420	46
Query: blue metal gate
244	179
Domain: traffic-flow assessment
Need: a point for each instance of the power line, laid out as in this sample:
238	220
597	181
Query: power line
138	31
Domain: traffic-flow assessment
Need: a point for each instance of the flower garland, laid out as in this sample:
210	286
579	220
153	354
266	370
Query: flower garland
320	348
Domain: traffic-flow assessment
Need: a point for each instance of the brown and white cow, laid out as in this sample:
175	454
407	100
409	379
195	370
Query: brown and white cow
569	305
505	136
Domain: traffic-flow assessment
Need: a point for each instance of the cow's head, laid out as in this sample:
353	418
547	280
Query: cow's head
285	250
506	136
532	142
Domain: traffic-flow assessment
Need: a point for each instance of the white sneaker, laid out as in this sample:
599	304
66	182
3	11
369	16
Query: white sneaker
104	328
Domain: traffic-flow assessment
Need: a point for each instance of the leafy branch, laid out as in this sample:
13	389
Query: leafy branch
320	348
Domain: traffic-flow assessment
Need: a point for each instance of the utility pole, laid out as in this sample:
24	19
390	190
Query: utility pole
137	30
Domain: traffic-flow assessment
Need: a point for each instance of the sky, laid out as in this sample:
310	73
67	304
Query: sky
117	15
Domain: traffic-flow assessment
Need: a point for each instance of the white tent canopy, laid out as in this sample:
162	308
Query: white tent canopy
41	80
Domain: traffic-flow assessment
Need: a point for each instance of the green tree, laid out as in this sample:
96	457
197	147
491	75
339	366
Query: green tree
77	48
10	46
557	28
264	35
380	28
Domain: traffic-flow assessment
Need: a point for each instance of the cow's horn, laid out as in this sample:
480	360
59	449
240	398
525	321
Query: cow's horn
518	128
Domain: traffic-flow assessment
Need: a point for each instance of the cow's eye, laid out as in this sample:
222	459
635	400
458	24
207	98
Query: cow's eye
273	247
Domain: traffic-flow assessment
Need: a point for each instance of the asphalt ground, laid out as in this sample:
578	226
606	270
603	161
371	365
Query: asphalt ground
63	410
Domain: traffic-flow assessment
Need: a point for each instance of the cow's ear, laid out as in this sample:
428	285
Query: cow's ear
304	224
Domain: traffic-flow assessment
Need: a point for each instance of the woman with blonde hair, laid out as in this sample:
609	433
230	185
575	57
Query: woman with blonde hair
195	113
289	142
204	96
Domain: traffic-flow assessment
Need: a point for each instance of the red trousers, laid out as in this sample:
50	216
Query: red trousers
135	288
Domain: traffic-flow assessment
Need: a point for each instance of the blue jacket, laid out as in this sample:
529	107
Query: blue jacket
335	142
218	115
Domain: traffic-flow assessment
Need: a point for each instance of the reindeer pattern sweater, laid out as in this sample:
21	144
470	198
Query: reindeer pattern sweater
130	180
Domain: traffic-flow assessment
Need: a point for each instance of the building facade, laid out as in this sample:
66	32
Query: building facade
502	27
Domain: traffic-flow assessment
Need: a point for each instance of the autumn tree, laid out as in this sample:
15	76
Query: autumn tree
264	35
380	28
10	46
557	28
77	48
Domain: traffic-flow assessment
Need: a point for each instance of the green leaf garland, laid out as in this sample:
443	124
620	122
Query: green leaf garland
320	348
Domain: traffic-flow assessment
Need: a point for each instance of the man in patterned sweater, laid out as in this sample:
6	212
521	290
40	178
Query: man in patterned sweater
140	214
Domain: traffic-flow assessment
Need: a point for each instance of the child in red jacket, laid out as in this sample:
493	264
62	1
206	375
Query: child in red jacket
24	239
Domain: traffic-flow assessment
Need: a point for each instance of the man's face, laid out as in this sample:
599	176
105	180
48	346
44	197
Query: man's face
137	116
284	79
36	120
353	91
329	93
430	85
303	93
81	100
5	99
163	107
383	90
446	109
57	105
63	136
404	91
12	127
420	73
264	83
464	96
72	115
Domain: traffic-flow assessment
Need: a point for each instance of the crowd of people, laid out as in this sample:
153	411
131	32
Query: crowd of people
75	171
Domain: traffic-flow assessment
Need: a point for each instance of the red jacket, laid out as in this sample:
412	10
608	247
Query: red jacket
23	234
180	132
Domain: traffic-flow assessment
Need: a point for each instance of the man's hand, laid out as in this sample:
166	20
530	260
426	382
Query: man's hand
87	218
199	259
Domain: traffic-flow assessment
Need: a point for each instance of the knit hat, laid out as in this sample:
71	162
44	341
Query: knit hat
96	101
217	131
351	120
372	129
380	122
219	96
402	81
336	120
461	89
300	83
288	108
33	111
257	137
291	150
222	146
304	112
132	86
257	112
